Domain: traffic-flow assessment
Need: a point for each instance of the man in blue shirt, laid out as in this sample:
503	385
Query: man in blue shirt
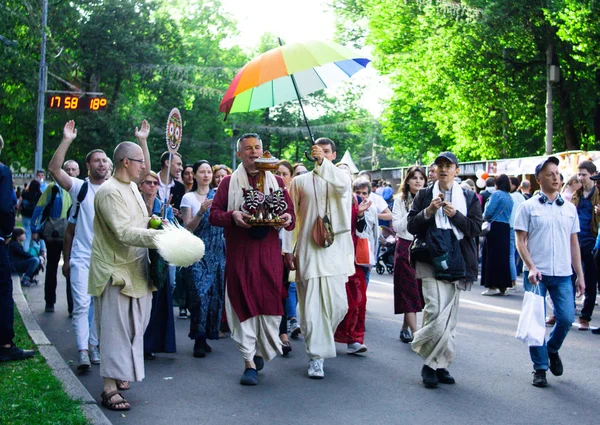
547	241
8	350
585	199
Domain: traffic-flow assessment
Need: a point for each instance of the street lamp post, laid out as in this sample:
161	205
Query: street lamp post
39	143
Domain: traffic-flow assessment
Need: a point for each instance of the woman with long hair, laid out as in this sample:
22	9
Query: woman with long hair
205	279
160	332
285	171
570	187
29	200
495	261
219	172
408	294
187	176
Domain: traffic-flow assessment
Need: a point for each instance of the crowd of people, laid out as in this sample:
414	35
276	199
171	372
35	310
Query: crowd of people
305	276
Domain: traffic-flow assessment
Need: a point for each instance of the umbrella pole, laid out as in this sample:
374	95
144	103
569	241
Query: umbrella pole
312	138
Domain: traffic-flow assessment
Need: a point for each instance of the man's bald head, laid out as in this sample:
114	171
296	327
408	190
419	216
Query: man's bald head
126	150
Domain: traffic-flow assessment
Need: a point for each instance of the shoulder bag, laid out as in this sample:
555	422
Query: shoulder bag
322	231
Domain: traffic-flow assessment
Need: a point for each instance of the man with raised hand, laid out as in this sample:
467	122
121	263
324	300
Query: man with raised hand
547	241
322	272
77	256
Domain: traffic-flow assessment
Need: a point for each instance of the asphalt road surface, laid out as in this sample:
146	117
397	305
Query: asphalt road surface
492	369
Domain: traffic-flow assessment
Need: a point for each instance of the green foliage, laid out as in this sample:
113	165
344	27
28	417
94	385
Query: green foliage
471	76
148	56
29	392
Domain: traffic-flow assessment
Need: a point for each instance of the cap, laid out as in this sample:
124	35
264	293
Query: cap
541	165
449	156
595	177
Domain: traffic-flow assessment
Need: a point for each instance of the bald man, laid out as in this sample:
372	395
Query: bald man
118	278
71	167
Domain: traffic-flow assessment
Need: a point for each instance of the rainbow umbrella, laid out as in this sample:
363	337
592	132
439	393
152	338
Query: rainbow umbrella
289	72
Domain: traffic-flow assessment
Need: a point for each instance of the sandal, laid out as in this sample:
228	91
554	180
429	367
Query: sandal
114	405
123	385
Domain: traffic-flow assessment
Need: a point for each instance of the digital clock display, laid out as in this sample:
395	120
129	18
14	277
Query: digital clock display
74	103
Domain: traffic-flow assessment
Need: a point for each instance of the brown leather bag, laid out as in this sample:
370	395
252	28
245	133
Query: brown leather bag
322	231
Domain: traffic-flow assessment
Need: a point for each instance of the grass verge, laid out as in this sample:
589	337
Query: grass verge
29	392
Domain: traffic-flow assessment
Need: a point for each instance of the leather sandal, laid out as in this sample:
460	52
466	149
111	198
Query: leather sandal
114	405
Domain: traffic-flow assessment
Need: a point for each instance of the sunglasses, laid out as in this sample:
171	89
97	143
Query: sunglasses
151	183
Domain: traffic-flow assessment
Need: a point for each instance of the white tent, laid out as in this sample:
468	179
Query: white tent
347	159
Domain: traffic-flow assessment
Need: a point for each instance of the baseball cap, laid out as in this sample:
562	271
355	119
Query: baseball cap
541	165
449	156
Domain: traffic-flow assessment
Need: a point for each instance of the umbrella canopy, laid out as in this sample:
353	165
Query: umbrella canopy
265	81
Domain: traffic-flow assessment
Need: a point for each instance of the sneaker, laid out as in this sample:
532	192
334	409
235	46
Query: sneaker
315	369
183	313
490	292
14	353
94	353
550	321
444	376
539	378
430	378
49	308
556	366
356	348
406	335
295	330
584	325
25	282
83	362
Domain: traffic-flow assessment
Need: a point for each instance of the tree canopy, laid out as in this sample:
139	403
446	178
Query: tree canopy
470	76
148	56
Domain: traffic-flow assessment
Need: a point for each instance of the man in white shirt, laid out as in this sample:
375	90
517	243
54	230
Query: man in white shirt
547	228
322	271
77	258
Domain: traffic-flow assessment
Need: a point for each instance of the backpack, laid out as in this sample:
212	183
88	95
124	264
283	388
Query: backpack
53	229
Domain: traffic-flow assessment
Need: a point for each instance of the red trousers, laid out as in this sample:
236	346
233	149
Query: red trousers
352	328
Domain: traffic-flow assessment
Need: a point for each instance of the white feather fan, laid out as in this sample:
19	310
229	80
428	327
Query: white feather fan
178	246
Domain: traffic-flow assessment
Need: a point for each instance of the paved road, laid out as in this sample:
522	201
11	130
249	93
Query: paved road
492	369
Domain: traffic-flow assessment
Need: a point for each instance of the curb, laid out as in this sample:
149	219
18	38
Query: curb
61	370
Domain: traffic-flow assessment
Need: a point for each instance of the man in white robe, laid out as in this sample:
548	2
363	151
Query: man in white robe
322	273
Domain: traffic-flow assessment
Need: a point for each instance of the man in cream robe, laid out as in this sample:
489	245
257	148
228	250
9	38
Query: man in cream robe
322	273
118	278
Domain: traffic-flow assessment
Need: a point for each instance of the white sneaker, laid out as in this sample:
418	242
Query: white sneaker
83	361
94	354
356	348
490	292
315	369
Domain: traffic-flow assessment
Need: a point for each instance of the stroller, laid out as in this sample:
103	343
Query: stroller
387	248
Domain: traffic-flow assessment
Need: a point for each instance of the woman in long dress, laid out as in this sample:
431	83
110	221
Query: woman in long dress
408	294
160	333
205	279
495	261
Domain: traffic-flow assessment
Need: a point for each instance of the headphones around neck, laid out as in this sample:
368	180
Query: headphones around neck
544	199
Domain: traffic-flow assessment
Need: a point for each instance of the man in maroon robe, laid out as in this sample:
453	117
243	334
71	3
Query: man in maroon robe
253	272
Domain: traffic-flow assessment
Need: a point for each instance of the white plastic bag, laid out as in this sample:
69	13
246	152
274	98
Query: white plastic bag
532	325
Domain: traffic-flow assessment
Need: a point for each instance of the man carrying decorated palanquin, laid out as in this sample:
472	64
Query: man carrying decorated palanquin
253	272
